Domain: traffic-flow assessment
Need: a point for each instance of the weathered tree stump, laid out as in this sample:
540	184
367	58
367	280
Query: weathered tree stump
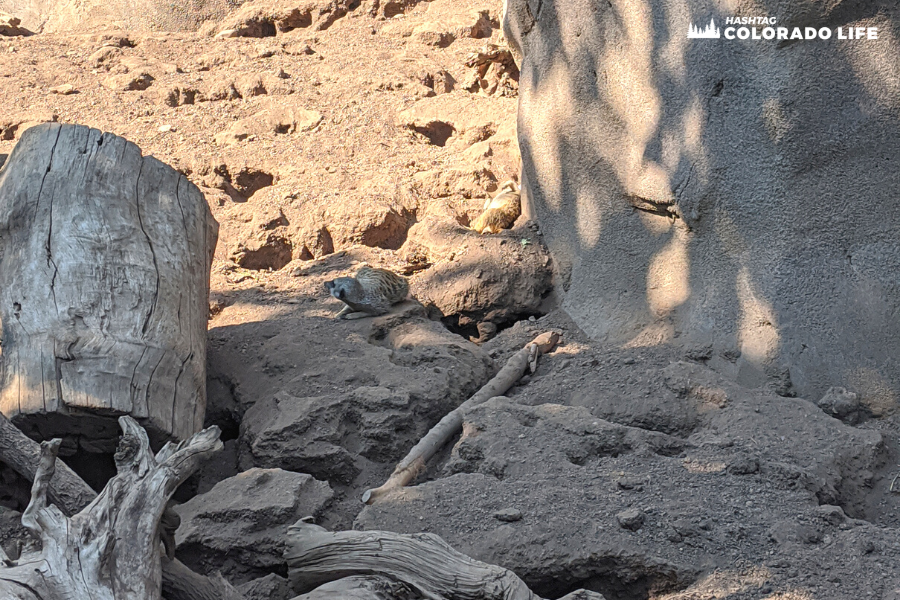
104	280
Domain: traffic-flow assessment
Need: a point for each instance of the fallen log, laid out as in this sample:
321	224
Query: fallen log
361	587
67	490
440	434
422	561
73	495
382	565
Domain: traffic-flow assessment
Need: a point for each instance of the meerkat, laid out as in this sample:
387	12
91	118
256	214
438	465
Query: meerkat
501	211
370	293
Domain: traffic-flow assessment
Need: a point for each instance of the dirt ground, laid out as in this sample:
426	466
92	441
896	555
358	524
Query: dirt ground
364	137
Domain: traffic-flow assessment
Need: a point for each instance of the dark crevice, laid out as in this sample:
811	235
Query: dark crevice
50	262
437	132
150	379
137	201
662	209
175	387
467	327
132	385
616	577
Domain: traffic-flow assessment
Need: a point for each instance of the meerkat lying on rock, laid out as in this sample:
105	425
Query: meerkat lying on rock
501	211
372	292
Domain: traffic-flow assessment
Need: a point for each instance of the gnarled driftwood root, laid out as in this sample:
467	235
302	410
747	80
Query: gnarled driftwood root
110	550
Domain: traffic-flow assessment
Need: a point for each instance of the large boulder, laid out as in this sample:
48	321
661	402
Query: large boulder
241	523
339	419
736	191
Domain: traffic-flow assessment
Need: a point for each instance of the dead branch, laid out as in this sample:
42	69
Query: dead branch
180	583
161	475
22	454
422	561
451	424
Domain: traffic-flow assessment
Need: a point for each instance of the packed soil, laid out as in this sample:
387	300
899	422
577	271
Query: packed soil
367	138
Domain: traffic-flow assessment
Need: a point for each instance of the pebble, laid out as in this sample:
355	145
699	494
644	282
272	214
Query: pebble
630	483
64	89
165	128
508	515
630	519
744	465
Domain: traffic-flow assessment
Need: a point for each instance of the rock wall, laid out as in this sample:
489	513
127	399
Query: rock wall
736	197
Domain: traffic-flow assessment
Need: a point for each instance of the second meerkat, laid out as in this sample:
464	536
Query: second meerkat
501	211
371	292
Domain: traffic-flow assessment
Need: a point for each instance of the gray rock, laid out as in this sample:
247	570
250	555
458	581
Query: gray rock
631	483
770	214
583	595
270	587
391	395
841	404
491	281
631	519
245	518
744	465
508	515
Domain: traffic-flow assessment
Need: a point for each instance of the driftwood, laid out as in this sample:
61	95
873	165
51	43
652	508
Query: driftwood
422	561
451	424
67	490
129	492
104	279
362	587
382	565
180	583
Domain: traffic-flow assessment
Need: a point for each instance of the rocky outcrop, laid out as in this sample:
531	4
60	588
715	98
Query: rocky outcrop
738	192
576	500
409	374
266	18
244	519
496	278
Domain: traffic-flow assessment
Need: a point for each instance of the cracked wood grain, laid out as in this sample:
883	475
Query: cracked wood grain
104	281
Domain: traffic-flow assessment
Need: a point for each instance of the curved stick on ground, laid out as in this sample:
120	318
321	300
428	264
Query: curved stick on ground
447	427
422	561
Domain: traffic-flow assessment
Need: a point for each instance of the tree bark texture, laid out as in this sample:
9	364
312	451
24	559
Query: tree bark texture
422	561
104	280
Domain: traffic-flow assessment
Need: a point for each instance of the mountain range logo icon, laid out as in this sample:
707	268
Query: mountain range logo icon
711	31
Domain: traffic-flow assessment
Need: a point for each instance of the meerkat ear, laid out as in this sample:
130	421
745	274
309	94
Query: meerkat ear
341	294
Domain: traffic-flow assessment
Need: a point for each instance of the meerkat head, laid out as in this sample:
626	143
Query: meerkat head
341	287
509	186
